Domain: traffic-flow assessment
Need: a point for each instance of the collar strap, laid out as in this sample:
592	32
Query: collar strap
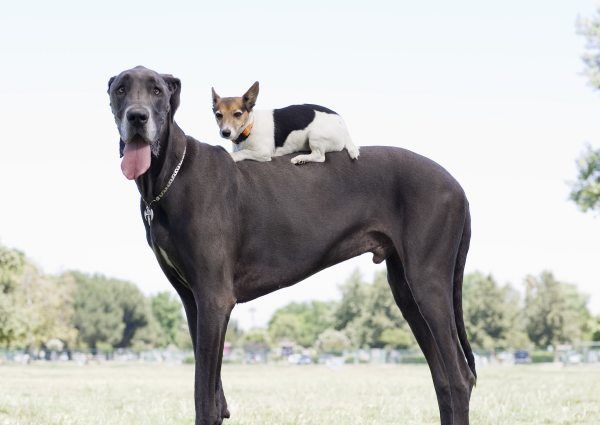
244	134
148	212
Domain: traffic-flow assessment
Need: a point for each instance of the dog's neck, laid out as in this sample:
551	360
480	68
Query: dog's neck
172	144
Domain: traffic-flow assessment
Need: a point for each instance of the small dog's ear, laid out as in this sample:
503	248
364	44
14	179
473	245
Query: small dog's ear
110	83
121	148
250	96
174	85
215	97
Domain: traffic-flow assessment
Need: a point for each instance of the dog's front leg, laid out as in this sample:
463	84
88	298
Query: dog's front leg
250	154
211	325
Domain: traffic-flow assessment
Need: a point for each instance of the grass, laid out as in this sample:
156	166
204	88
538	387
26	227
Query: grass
132	394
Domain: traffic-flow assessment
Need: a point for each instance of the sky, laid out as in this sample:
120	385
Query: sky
493	91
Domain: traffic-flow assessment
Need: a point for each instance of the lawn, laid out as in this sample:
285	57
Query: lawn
131	394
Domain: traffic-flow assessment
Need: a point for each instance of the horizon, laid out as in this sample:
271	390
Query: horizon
494	93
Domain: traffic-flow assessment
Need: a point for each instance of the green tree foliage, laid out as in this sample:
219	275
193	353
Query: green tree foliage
34	309
492	313
108	311
556	312
301	322
585	191
256	339
12	321
354	293
167	310
377	322
333	342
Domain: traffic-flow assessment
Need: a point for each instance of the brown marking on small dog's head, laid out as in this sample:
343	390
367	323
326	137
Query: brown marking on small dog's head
232	113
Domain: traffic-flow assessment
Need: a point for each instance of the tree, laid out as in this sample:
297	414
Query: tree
354	294
301	322
492	313
256	340
556	312
12	320
369	315
108	311
585	192
166	308
34	308
333	342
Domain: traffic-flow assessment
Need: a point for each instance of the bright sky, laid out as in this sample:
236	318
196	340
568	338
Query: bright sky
491	90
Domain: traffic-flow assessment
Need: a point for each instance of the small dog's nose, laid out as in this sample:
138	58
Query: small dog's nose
137	117
226	133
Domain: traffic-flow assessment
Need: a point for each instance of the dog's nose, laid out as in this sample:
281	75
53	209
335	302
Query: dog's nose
137	117
226	133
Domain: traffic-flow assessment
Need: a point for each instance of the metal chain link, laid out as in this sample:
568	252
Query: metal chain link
149	214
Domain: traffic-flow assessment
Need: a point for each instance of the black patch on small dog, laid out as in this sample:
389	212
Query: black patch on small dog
121	148
294	117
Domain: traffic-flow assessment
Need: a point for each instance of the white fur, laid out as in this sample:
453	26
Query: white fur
326	133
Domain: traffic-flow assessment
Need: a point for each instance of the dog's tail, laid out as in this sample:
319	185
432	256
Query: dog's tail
459	269
352	149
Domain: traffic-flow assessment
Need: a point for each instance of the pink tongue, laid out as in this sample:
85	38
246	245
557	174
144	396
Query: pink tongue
136	159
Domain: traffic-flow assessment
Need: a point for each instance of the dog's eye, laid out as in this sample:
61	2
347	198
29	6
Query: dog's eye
157	91
121	90
218	115
237	114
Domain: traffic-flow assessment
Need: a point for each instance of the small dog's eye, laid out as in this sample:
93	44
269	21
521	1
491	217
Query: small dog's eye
157	91
237	114
121	90
218	115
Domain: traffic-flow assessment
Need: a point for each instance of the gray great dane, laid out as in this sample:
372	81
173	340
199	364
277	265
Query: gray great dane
226	233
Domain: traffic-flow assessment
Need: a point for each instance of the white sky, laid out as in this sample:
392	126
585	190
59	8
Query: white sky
491	90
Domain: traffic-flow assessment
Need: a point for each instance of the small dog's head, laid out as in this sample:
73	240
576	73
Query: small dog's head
232	113
142	102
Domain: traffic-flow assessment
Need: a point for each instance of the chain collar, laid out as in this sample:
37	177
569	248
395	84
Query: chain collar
148	212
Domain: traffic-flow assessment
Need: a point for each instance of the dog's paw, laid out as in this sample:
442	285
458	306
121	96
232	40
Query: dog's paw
297	161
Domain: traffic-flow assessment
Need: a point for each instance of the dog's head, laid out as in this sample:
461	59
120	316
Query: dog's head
232	113
142	102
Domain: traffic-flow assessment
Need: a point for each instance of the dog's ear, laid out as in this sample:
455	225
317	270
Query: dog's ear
110	83
121	148
250	96
215	97
174	85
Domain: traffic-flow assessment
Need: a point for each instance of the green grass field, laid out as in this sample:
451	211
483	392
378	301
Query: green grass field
131	394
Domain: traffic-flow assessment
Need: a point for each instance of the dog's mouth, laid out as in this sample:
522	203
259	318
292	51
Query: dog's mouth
136	157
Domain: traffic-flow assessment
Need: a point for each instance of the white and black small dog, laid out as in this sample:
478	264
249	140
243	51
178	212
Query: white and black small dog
262	134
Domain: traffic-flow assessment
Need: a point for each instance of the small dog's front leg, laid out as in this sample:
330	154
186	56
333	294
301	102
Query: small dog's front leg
249	154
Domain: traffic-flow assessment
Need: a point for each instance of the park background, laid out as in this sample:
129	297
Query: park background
496	92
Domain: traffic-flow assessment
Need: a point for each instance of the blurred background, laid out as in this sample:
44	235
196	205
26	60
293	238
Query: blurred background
502	94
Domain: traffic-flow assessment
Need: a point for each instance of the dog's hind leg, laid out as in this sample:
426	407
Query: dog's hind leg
317	153
422	278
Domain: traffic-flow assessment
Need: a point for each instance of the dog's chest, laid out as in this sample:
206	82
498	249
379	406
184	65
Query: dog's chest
164	252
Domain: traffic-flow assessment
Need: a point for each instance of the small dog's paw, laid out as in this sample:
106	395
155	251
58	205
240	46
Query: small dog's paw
297	161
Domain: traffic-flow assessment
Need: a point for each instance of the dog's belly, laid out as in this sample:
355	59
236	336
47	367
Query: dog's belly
271	271
296	141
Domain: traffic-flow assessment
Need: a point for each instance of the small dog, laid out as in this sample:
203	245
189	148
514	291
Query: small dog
262	134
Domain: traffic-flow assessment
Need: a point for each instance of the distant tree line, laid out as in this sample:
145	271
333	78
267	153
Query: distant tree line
80	311
546	313
75	310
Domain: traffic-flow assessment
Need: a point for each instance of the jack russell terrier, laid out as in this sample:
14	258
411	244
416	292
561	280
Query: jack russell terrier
262	134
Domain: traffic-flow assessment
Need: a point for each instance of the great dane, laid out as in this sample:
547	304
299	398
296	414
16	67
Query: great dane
226	233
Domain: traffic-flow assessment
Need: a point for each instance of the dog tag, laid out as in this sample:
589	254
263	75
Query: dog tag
148	214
